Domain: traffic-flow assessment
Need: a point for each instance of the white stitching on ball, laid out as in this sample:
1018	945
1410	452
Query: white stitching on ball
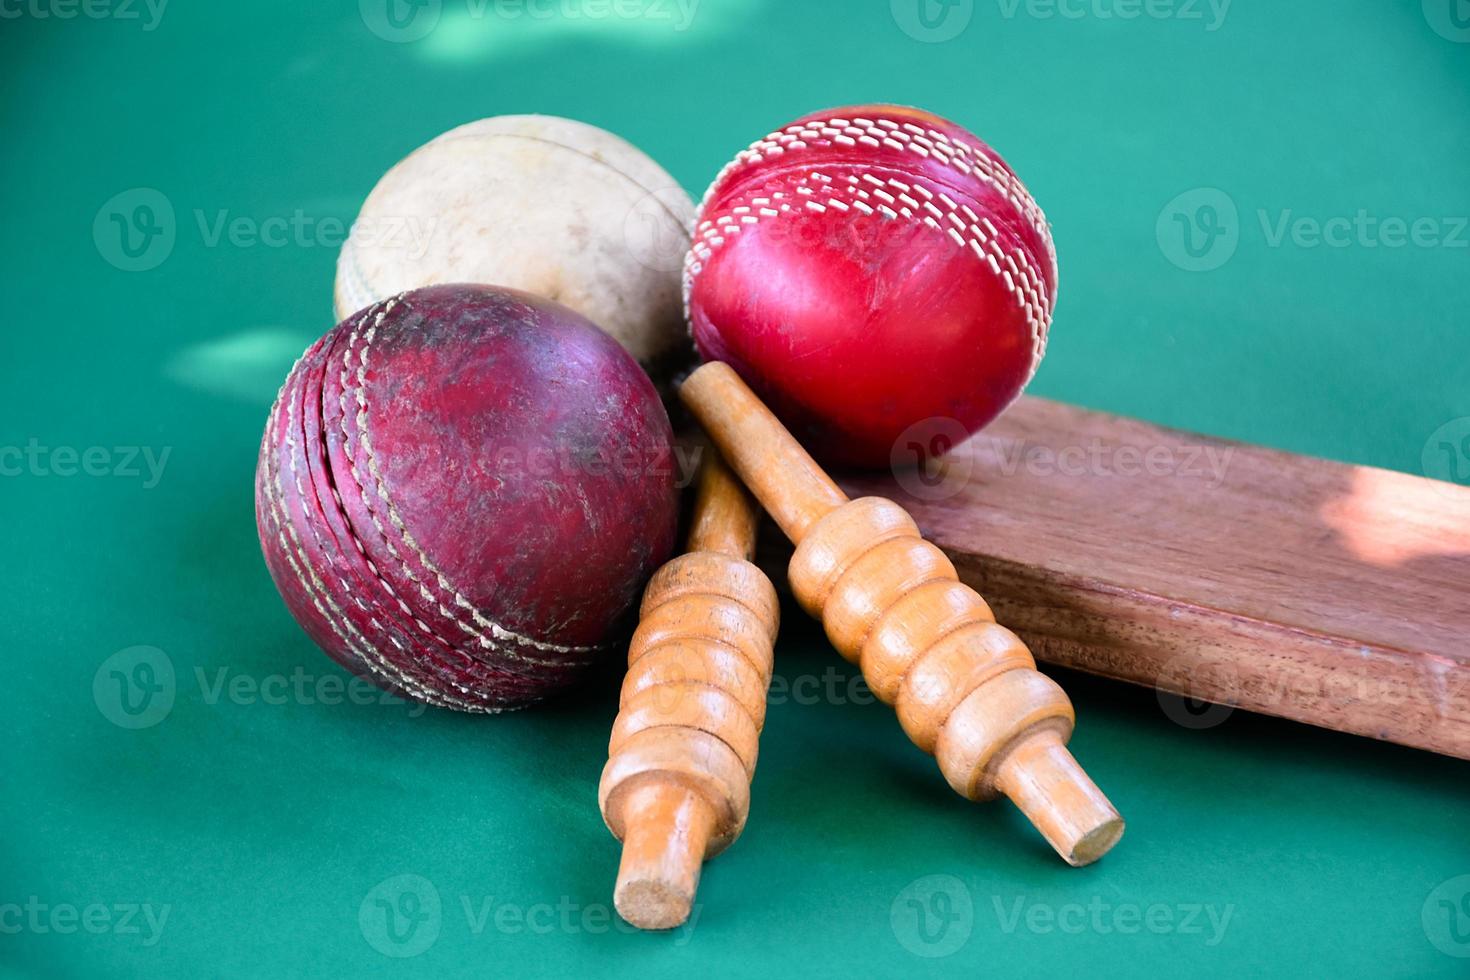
496	630
928	143
978	235
315	589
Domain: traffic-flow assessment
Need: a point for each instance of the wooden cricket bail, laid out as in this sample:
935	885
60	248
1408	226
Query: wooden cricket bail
676	788
965	688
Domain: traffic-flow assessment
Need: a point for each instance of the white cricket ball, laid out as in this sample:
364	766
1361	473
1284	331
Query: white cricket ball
551	206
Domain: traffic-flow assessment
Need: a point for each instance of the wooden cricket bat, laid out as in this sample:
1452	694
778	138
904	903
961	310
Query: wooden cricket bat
1326	593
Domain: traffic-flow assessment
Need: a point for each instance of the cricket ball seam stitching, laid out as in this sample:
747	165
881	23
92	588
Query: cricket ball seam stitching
283	519
928	143
293	550
435	677
362	490
599	161
1034	291
422	683
496	630
355	287
1025	286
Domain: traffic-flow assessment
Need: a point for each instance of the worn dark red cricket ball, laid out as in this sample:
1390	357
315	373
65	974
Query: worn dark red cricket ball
461	492
879	275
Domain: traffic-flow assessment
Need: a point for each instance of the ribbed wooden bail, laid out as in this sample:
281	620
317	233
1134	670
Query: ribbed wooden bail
1054	792
725	517
965	688
669	829
784	478
676	788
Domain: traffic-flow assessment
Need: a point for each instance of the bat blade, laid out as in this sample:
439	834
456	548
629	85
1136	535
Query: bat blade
1328	593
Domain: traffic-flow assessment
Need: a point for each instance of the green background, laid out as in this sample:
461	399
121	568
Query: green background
266	828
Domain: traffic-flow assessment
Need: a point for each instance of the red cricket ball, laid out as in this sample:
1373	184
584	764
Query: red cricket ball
870	269
462	490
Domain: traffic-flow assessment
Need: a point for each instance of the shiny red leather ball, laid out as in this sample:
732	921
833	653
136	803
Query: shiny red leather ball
879	276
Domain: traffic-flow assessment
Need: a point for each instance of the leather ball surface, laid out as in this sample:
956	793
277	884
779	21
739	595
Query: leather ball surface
462	491
879	276
548	205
